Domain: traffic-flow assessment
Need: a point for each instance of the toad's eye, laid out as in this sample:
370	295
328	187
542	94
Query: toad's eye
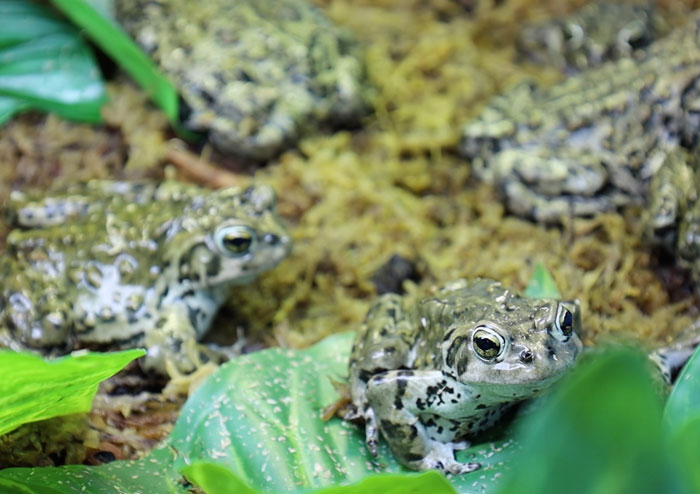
487	343
234	240
563	323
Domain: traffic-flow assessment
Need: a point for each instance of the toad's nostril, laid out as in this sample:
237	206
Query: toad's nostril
271	239
526	356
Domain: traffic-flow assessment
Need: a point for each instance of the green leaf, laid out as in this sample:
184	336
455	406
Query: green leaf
9	106
45	64
42	389
216	479
684	447
542	284
151	475
682	422
598	432
414	483
116	43
684	400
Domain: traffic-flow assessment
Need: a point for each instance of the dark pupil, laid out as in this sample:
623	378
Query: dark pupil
567	323
488	346
237	243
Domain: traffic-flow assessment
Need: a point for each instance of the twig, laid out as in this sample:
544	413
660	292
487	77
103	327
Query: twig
199	169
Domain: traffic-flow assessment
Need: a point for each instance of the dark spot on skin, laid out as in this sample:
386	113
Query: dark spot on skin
390	349
401	385
439	429
404	373
365	375
420	404
391	313
412	457
383	332
480	406
462	366
398	404
401	432
377	380
192	315
176	344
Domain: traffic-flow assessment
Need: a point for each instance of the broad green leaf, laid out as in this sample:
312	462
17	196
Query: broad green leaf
599	432
684	447
151	475
41	389
9	106
542	284
216	479
416	483
682	422
116	43
45	64
37	21
684	400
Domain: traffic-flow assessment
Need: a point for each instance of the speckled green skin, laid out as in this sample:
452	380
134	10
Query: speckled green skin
115	264
598	32
416	374
255	74
593	142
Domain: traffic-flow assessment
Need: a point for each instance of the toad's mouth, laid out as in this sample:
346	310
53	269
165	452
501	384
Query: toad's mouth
525	387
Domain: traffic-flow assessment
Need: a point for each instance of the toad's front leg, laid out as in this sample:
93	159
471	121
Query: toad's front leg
419	414
172	340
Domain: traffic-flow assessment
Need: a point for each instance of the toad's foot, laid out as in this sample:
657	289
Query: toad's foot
440	458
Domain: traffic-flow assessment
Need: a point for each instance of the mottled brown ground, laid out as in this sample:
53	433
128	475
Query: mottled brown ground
355	198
